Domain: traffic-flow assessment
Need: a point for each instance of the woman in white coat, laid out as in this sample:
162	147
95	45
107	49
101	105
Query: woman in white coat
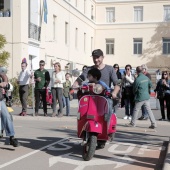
57	80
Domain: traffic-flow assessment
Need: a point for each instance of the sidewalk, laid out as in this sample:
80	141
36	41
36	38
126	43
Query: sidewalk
167	158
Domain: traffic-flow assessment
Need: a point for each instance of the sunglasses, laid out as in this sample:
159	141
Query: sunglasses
127	68
165	74
115	67
41	64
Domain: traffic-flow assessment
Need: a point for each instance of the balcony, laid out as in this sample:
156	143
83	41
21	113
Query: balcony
34	31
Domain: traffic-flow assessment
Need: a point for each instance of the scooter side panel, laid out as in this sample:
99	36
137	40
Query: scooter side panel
112	124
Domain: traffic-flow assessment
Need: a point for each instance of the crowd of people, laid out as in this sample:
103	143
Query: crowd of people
162	92
132	89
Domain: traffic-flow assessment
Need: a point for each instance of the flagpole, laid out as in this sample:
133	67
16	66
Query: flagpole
32	83
42	6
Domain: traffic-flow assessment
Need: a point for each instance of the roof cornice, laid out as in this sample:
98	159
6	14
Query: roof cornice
126	1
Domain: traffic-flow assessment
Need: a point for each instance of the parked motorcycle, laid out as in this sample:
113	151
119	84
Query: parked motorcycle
95	124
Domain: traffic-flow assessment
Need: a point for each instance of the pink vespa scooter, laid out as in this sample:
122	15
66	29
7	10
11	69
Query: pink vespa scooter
94	123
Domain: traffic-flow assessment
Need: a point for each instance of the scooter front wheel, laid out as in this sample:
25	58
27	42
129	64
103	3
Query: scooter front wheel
90	147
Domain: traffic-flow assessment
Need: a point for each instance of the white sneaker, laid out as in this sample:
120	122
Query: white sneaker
129	117
126	117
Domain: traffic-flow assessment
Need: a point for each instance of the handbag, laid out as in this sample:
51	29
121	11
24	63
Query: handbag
49	98
128	91
161	94
70	97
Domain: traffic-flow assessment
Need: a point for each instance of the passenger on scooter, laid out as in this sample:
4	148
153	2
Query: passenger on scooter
94	76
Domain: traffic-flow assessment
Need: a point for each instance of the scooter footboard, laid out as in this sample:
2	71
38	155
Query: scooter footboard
112	124
93	126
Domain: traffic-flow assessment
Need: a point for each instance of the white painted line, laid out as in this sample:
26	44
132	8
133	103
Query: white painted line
68	158
29	154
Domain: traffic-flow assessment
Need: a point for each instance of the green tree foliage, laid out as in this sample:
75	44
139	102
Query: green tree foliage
15	93
4	55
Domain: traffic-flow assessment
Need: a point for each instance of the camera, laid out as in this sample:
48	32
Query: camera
7	87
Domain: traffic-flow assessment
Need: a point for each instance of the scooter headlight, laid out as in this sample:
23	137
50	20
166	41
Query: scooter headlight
97	88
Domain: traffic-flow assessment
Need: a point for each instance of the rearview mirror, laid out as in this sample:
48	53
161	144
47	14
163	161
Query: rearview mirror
76	73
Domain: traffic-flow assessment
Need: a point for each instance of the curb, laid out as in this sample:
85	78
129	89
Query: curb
167	158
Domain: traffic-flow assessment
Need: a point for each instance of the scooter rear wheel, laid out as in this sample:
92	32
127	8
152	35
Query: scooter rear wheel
89	148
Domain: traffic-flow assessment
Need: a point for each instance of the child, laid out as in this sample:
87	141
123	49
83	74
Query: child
94	76
66	91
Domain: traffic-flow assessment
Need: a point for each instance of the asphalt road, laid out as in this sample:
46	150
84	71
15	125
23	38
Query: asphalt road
51	143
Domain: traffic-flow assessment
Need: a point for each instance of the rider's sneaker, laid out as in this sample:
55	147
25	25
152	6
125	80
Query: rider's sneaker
129	117
14	142
126	117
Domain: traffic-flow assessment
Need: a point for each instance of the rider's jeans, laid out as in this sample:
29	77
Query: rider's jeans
6	120
110	102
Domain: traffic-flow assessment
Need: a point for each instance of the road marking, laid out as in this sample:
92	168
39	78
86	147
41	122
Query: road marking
31	153
81	164
147	148
64	145
128	150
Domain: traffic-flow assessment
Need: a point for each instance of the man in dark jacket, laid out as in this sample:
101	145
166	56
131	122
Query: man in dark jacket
141	88
42	80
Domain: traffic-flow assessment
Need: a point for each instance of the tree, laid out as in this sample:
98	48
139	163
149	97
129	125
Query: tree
4	55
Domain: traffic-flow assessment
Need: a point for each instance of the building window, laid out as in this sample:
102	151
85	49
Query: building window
76	3
1	4
84	42
138	14
137	46
109	46
92	11
84	6
76	37
54	27
167	13
166	45
66	32
110	15
91	44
